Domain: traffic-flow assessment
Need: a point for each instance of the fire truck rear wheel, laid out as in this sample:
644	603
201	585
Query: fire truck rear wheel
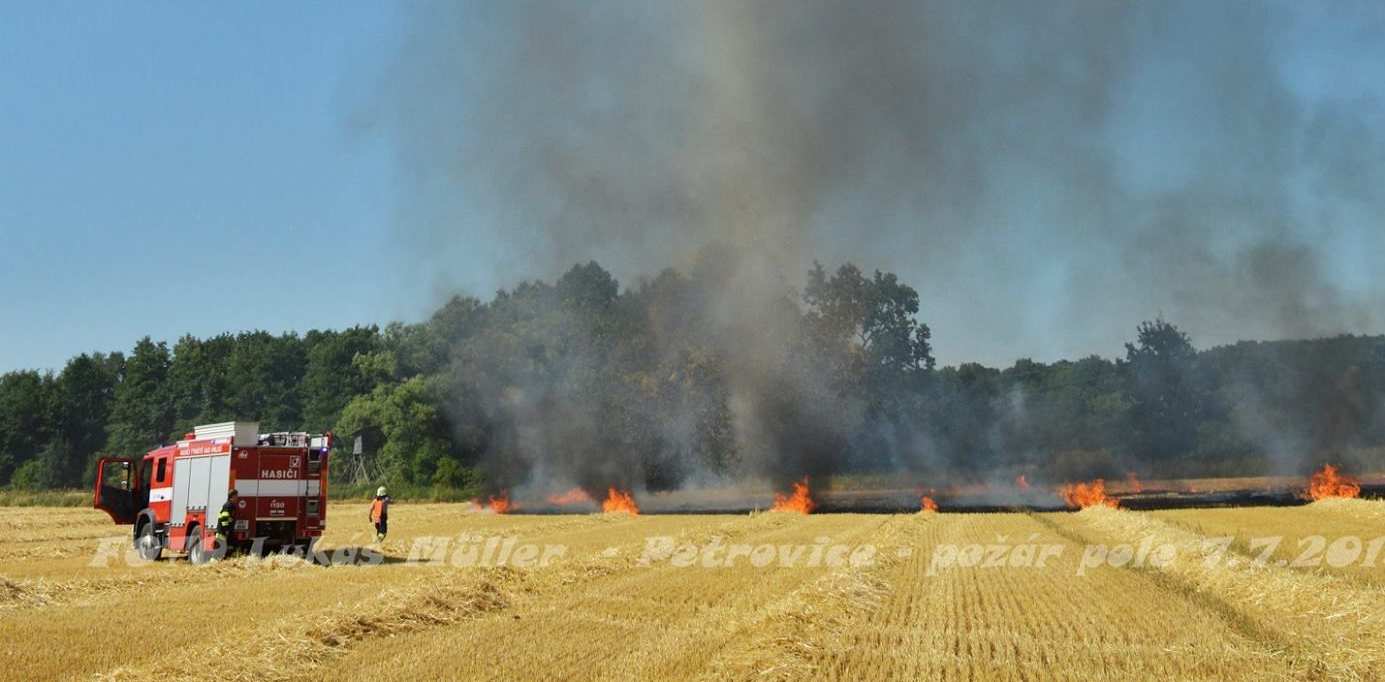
148	544
197	552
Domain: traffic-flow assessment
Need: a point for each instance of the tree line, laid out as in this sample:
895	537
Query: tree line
647	386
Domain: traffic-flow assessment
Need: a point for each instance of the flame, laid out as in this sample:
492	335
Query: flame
1133	483
800	501
499	505
574	496
1022	482
620	501
1083	495
1328	483
928	505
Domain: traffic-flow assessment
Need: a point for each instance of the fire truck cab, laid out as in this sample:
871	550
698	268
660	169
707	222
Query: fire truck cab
172	495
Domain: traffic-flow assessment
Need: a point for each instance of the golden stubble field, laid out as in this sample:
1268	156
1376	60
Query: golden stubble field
1017	596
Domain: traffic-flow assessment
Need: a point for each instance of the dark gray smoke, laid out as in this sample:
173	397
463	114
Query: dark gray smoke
1046	174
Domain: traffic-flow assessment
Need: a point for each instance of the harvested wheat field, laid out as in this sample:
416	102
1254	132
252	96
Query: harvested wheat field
459	594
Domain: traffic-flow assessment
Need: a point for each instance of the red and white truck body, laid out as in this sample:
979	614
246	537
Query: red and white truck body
174	493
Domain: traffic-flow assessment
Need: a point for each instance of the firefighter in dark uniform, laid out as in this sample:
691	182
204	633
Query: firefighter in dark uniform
225	520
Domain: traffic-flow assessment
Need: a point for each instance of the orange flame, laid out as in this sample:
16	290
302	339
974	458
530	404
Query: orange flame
800	501
1328	483
1083	495
1133	483
499	505
928	505
620	501
1022	482
574	496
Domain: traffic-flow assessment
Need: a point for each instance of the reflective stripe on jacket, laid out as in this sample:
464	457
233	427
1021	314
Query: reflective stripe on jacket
224	519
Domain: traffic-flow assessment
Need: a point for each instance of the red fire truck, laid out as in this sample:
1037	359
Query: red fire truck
173	494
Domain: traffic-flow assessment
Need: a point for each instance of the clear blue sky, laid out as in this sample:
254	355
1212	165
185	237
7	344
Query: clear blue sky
1046	177
174	168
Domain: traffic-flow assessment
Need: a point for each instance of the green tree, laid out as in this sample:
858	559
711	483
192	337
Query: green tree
1167	394
46	470
874	318
25	418
263	377
198	381
332	376
964	408
406	417
83	397
877	355
142	412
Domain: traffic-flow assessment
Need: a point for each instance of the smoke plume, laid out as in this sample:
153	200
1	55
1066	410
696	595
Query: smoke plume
1046	174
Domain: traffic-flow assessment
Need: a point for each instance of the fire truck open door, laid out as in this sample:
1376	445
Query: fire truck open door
118	489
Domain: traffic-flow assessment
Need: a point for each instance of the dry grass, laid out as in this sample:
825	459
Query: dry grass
1030	623
1323	626
1335	521
303	643
45	498
597	613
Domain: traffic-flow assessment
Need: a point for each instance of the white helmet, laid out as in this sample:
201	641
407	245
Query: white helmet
381	492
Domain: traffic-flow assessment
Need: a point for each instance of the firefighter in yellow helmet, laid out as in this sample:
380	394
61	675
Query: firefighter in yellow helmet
380	513
225	520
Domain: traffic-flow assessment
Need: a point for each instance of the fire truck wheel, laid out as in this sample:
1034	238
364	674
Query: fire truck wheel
148	544
197	552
